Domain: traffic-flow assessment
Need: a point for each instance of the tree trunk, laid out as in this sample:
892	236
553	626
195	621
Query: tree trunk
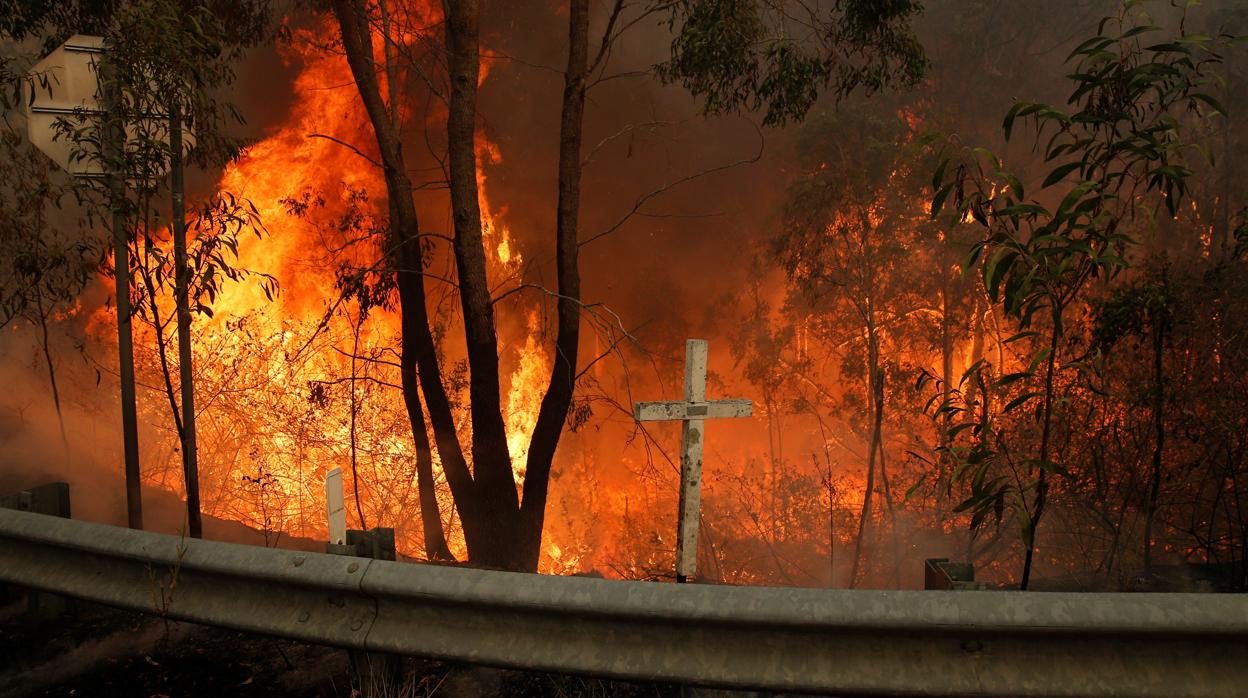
44	345
430	515
498	529
182	274
888	492
558	398
1042	485
491	461
418	348
946	360
877	417
1159	427
113	151
351	429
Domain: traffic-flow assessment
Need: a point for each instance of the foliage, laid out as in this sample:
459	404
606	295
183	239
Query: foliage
219	224
41	271
764	54
1117	153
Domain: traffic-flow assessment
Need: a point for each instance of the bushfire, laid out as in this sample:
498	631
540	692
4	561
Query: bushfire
957	343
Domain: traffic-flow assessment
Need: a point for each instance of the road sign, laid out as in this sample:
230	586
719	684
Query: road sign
65	87
65	91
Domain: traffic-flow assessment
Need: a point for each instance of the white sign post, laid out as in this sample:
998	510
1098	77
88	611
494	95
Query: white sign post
336	510
691	411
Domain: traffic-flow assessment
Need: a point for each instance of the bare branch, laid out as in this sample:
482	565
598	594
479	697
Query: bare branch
348	146
639	203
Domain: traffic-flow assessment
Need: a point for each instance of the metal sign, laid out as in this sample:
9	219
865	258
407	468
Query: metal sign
65	93
66	89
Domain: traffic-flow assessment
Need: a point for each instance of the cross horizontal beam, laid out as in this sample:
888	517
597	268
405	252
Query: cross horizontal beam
681	410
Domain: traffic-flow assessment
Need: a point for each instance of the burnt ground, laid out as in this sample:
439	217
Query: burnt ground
90	651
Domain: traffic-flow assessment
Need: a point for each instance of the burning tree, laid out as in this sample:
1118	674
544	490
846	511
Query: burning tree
852	45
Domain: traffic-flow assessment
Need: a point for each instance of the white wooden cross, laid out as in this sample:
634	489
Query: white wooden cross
691	411
335	507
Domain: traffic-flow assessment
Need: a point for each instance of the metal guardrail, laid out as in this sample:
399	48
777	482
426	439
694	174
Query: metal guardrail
806	640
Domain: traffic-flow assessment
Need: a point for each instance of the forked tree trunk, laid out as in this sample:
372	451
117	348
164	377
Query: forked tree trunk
499	530
499	505
407	260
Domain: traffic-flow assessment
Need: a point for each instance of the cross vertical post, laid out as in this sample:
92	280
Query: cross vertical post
690	507
692	412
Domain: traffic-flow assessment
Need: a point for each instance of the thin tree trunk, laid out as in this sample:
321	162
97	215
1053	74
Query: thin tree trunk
162	349
47	358
1159	427
946	360
978	330
555	403
113	150
1042	485
355	408
771	462
888	493
430	515
182	277
877	415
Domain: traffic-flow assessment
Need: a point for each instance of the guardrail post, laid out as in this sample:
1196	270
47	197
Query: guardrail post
378	673
51	499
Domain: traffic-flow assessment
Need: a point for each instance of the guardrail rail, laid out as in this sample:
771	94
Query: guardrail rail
804	640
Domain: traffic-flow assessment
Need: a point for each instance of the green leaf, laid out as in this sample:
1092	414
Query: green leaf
968	503
938	201
1211	101
1024	517
1059	173
988	155
1015	185
1012	377
1020	335
939	175
954	431
1136	31
1008	124
1039	358
996	269
1019	401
